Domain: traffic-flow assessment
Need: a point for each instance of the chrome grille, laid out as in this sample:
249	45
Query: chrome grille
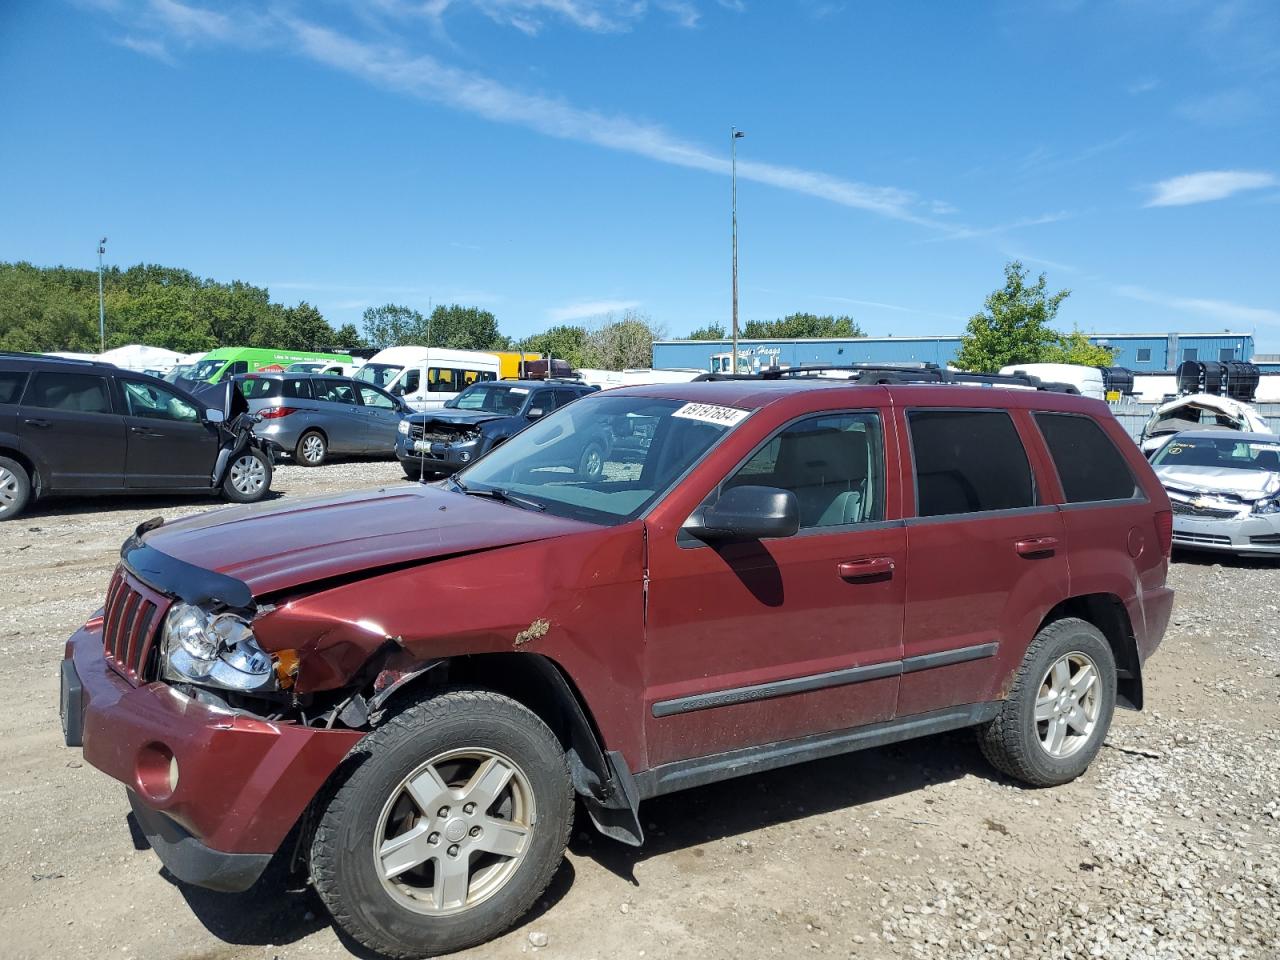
1207	513
130	621
1205	538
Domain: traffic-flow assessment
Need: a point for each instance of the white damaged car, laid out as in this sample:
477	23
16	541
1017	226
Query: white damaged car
1198	411
1224	488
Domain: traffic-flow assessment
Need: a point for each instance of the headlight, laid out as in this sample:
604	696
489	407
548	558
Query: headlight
1269	505
403	428
214	651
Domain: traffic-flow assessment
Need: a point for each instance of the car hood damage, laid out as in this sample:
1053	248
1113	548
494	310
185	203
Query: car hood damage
1185	413
1245	485
279	548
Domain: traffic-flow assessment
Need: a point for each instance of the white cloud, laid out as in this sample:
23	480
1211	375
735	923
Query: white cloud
193	23
1143	85
1221	310
1205	186
967	233
1228	108
589	308
155	49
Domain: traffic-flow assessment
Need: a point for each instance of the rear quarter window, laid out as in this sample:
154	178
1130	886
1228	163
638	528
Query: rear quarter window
11	384
259	388
967	461
77	392
1088	463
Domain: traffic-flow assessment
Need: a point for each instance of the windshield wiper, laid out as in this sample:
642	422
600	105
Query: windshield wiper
502	496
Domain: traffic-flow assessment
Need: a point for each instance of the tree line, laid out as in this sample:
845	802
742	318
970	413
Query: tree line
45	309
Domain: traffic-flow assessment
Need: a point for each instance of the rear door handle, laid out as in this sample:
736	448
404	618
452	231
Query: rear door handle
867	568
1037	546
36	423
144	432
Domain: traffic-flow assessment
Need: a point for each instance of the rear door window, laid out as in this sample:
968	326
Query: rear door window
967	461
80	392
1089	465
297	389
11	383
335	391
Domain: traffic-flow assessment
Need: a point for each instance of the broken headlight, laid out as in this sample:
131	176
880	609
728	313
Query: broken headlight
214	650
1267	505
403	428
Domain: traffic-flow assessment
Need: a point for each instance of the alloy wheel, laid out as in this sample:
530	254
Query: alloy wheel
248	475
454	831
8	489
1067	705
312	448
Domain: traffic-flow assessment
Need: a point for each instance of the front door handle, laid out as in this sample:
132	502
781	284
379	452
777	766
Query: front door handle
144	432
30	422
867	568
1036	547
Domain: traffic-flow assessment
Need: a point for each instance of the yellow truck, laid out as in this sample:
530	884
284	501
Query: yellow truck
511	362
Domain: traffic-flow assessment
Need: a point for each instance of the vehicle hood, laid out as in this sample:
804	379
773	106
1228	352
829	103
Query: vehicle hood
462	418
1246	417
1245	484
277	547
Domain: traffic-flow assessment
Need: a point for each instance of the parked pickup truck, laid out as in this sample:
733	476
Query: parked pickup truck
785	569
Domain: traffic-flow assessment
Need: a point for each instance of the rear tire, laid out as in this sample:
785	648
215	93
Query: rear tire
311	449
1052	725
15	488
591	463
465	799
248	477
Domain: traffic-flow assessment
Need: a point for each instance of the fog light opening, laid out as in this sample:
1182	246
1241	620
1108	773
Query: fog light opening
157	772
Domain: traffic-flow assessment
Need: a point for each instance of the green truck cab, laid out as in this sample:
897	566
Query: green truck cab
216	365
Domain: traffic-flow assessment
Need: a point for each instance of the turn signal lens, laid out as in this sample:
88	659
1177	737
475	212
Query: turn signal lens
286	668
1164	530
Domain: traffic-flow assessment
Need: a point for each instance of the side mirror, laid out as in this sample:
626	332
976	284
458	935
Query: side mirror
213	415
535	413
747	513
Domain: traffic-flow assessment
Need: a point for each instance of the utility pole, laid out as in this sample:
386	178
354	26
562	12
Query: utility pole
101	305
734	136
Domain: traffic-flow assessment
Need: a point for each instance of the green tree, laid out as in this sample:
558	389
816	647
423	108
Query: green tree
1074	347
1014	326
712	331
563	342
347	337
464	328
622	342
799	325
393	325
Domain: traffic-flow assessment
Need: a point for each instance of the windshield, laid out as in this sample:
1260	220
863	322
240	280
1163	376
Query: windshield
490	399
304	367
1224	454
205	370
603	459
379	374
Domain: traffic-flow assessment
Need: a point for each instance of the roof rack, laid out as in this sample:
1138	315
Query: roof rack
20	355
896	373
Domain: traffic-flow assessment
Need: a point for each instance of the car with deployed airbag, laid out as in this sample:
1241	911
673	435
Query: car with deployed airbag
404	691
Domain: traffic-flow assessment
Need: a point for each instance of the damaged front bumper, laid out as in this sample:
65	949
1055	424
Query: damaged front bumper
437	456
1254	534
216	791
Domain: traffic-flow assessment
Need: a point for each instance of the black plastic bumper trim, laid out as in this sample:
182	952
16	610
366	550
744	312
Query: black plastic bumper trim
71	704
190	860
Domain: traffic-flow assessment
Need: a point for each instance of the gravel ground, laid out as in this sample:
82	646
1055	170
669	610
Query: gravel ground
1167	848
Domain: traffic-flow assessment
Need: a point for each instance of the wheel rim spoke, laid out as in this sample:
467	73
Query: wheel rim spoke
1057	734
489	781
1044	707
1077	720
453	881
502	837
1083	681
1061	675
405	852
428	791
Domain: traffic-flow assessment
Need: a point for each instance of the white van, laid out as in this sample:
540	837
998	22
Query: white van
427	376
1088	380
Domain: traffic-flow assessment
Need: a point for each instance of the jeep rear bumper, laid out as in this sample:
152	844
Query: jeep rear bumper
206	784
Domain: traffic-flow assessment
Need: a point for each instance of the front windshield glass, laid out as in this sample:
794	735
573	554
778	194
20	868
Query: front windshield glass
490	398
1220	454
205	370
304	367
379	374
603	459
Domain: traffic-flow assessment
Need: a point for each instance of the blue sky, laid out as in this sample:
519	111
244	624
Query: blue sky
553	160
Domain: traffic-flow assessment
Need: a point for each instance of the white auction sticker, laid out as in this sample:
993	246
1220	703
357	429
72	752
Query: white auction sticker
712	413
519	389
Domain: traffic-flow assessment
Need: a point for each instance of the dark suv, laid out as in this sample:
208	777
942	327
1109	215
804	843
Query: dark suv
781	571
79	427
446	439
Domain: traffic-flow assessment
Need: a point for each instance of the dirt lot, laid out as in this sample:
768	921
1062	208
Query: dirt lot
1169	847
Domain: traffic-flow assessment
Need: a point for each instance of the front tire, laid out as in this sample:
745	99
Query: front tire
248	478
1052	725
451	823
15	488
591	463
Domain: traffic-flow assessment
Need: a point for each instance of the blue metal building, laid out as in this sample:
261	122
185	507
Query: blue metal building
1137	351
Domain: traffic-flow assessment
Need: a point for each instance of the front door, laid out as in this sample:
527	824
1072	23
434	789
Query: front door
340	414
988	557
169	446
70	424
752	643
383	420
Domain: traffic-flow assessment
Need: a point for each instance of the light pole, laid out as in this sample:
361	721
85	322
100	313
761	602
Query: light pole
734	136
102	310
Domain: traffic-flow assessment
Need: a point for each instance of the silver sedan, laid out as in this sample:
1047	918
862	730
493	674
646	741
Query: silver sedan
1225	490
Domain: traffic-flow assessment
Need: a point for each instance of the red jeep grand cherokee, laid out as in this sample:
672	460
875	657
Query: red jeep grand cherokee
764	572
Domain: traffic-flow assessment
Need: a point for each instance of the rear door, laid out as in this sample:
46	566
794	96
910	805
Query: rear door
986	555
339	414
69	422
169	446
